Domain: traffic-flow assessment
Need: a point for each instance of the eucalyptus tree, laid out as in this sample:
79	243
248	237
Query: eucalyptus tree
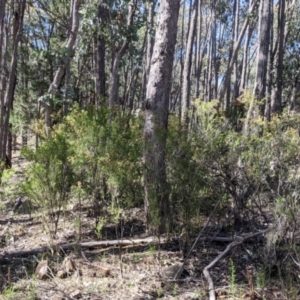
236	48
260	84
150	5
263	50
245	61
198	44
8	85
185	102
156	115
211	55
292	57
3	49
235	36
276	101
100	45
67	54
119	53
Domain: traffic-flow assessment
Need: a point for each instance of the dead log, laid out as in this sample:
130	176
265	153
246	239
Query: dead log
87	245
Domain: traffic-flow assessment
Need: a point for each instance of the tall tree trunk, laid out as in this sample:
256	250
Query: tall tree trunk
211	53
259	91
3	73
156	116
198	62
236	63
149	46
2	15
67	59
230	52
8	99
100	78
114	77
276	101
263	51
234	54
270	75
185	102
67	72
182	42
245	56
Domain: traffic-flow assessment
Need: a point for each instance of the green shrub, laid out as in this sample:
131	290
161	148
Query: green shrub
49	178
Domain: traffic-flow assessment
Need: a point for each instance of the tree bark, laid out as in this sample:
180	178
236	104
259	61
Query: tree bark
235	67
276	101
198	62
263	50
149	47
234	54
185	102
67	59
3	73
113	85
156	116
243	81
8	99
259	91
100	78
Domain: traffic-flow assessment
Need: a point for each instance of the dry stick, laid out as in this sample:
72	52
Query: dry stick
196	241
239	240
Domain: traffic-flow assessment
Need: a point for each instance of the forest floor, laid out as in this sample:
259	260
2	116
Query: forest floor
113	272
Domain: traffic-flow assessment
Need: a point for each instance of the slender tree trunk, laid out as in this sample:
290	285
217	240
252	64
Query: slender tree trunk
234	54
263	51
149	46
198	50
100	78
236	63
210	65
185	102
270	77
2	25
181	59
60	71
259	91
245	55
67	73
114	77
3	73
8	99
276	102
230	52
156	116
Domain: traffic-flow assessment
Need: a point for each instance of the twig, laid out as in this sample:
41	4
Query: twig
239	240
196	241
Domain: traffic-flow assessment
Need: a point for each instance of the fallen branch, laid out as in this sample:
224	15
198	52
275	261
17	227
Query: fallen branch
238	240
87	245
178	274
